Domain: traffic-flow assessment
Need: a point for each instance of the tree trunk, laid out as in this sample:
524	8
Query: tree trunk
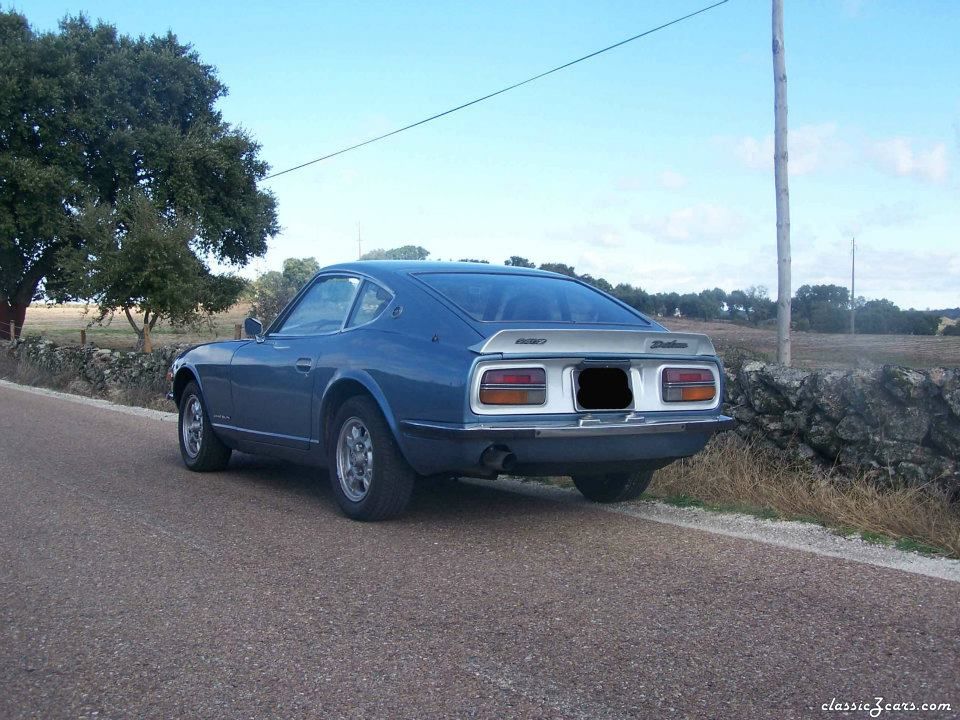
136	328
12	315
782	186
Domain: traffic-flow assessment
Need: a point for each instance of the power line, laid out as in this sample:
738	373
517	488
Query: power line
494	94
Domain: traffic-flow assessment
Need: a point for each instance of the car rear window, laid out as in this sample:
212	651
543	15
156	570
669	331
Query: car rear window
491	297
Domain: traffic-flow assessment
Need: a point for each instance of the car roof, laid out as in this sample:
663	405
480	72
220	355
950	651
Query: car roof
385	268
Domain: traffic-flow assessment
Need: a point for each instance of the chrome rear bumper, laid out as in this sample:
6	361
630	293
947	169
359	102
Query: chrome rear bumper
583	427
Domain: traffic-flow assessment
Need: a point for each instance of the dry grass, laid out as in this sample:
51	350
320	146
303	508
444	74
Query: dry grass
733	474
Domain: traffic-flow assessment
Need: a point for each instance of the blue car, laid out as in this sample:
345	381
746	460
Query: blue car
384	372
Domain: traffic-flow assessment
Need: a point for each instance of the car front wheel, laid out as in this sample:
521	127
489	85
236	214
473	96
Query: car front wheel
201	450
614	487
369	476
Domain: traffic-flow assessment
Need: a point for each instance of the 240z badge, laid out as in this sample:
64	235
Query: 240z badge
667	344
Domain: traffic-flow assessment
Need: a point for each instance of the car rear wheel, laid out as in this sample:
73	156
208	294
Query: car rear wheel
201	450
369	476
614	487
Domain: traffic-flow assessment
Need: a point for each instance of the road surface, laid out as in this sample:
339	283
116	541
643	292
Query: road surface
133	588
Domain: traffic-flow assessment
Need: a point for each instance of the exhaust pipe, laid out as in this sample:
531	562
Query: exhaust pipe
499	458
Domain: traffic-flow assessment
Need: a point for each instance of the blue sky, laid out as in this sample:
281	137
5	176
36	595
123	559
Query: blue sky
650	164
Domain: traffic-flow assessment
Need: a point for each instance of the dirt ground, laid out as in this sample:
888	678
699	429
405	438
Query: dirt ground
62	324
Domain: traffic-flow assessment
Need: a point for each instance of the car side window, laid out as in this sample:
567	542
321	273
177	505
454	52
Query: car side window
373	301
323	307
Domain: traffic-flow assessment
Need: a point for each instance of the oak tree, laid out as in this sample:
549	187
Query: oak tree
92	123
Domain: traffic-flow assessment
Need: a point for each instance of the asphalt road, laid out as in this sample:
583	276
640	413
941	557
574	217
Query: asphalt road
132	588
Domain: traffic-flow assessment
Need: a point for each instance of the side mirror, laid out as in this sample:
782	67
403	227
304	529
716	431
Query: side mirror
252	328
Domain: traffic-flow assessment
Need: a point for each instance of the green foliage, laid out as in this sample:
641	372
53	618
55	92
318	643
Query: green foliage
137	259
752	304
952	330
823	308
635	297
826	308
916	322
598	283
474	260
560	268
89	119
273	290
517	261
407	252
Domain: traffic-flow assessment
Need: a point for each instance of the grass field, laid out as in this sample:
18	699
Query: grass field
62	324
818	350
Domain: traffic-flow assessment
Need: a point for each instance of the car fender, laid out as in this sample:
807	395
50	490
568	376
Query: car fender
183	372
365	380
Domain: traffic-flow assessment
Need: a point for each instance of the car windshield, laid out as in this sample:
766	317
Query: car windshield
491	297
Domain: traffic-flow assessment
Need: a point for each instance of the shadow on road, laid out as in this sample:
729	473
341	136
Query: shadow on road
446	500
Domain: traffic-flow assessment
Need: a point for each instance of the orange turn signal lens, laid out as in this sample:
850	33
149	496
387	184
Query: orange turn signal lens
697	394
511	397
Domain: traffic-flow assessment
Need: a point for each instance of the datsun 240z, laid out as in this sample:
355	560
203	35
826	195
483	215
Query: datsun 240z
385	371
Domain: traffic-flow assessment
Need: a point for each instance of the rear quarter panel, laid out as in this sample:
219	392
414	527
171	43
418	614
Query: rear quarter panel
417	359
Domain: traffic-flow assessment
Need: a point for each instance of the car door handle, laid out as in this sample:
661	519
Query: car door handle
304	364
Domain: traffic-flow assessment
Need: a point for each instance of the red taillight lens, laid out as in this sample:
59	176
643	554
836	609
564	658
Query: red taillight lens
688	385
520	386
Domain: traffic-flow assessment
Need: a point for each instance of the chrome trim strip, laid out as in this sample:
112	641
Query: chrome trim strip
567	429
234	428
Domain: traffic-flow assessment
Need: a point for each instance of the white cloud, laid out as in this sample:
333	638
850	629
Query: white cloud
814	148
706	222
672	180
810	148
884	215
896	156
593	234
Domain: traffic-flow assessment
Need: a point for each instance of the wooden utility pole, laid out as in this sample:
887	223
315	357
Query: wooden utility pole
853	285
782	186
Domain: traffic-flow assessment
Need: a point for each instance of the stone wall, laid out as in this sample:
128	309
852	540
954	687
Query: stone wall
100	369
899	425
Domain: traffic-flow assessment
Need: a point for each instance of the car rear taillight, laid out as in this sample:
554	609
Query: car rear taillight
687	385
514	386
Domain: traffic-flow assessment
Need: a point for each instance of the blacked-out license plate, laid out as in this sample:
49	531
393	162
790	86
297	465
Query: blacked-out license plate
604	388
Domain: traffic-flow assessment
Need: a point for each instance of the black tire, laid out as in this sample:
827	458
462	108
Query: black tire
212	454
614	487
388	479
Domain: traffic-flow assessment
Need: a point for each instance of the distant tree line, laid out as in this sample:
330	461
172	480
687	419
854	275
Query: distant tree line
816	308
